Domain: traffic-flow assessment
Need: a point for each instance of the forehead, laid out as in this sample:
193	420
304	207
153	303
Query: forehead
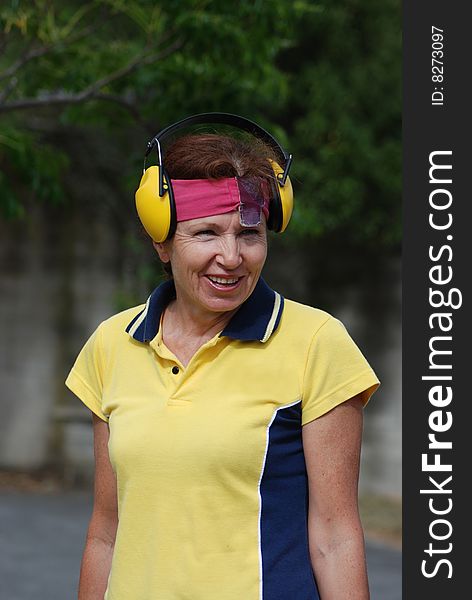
225	221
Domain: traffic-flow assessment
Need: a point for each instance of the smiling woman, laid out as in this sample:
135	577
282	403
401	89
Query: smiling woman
227	419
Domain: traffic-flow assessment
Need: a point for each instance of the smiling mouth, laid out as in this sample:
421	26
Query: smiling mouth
224	281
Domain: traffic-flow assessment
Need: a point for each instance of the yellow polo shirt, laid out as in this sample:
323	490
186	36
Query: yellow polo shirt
212	484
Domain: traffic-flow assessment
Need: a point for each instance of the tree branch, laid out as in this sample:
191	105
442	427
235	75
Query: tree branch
8	89
145	59
29	55
126	104
92	91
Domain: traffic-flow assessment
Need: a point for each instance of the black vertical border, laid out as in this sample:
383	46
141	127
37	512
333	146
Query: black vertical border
428	128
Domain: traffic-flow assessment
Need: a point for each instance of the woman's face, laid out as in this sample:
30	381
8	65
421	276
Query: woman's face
216	262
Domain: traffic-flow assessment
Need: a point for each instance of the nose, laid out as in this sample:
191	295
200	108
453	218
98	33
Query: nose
229	255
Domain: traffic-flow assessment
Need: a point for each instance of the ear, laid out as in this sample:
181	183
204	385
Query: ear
162	250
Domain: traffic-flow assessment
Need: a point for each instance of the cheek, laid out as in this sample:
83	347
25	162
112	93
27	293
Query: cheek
195	256
256	255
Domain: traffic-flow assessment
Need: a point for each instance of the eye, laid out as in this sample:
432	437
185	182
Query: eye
249	232
205	232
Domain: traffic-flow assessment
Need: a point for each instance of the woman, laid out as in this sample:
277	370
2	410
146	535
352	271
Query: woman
227	421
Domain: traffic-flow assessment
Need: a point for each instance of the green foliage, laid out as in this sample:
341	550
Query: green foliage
323	76
30	170
111	63
343	118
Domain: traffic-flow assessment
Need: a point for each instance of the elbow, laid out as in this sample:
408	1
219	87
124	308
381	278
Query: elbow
102	528
329	538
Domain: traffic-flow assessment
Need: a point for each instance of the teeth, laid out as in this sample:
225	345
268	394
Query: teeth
222	280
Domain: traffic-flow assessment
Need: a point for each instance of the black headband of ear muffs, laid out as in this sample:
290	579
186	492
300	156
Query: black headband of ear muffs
285	159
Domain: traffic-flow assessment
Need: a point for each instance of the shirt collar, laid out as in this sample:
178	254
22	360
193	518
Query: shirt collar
257	318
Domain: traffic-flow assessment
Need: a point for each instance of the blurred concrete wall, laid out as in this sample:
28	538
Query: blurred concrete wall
61	271
57	280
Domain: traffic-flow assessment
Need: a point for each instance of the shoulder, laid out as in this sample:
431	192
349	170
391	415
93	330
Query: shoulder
301	325
303	318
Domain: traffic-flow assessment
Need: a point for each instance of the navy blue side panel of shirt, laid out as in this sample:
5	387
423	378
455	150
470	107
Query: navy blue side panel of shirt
286	564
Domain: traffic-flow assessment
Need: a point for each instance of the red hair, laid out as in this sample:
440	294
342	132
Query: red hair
213	156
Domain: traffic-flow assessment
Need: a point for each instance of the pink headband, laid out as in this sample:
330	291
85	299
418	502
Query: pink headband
197	198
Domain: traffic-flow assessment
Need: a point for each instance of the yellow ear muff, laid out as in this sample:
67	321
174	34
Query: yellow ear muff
157	213
285	199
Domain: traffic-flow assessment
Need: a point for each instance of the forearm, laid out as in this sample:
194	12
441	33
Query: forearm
95	568
339	565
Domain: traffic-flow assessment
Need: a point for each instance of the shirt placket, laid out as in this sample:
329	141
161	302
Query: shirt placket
176	374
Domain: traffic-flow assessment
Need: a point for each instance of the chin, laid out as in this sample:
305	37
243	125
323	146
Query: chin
223	304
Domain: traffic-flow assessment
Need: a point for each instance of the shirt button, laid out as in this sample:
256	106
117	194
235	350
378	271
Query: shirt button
175	370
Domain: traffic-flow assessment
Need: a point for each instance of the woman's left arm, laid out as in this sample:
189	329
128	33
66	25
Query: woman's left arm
332	444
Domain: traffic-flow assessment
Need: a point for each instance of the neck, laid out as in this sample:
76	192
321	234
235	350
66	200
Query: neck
184	319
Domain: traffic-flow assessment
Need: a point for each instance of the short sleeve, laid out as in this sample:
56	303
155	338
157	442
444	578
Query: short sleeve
335	371
86	376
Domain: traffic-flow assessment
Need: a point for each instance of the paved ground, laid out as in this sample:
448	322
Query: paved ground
41	541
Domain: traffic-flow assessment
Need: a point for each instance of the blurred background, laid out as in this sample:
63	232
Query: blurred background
83	86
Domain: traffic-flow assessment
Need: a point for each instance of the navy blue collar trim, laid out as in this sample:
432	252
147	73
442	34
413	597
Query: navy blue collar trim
257	318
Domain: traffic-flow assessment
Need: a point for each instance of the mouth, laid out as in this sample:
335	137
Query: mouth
224	283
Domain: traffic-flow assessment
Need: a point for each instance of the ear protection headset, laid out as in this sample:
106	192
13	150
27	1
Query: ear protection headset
155	198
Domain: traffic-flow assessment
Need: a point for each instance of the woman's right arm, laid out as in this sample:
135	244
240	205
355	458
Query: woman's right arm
101	533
